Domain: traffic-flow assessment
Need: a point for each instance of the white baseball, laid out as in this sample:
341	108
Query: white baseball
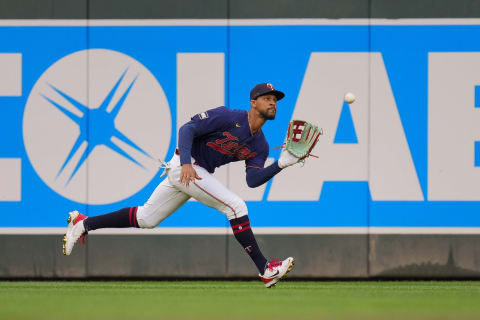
349	97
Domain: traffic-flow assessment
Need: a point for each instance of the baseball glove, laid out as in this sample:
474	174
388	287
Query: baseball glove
302	137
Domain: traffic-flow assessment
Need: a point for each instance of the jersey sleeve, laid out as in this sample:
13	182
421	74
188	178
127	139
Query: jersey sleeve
257	174
201	124
259	160
257	177
211	121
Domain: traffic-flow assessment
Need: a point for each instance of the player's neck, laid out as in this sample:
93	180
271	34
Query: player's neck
255	121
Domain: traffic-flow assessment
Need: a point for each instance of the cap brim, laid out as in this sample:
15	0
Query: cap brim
279	94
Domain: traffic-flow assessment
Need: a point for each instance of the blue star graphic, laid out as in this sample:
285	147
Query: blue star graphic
99	129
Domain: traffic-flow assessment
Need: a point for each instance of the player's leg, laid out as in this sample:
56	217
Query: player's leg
163	202
214	194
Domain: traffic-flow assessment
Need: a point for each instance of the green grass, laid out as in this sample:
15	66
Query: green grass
239	300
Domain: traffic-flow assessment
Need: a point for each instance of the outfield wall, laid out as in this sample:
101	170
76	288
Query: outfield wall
92	93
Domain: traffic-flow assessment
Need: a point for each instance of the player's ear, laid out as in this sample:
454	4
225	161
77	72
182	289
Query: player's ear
253	103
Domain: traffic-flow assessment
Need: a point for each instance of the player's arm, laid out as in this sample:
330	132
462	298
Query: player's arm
257	176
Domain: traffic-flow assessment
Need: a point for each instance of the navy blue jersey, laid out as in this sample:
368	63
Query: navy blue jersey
219	136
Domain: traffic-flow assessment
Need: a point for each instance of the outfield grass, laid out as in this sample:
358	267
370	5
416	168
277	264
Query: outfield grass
239	300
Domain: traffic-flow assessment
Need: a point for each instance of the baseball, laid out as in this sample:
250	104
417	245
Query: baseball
349	97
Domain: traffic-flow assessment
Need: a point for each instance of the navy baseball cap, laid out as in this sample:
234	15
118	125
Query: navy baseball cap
263	89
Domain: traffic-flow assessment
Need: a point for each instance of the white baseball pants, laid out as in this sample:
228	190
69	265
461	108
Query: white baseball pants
171	195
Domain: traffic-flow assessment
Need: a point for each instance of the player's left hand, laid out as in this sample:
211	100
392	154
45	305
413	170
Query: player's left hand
287	159
188	174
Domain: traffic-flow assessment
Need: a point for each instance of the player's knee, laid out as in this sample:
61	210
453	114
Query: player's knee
145	223
147	220
238	209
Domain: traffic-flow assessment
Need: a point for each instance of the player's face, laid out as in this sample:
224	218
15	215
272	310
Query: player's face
267	106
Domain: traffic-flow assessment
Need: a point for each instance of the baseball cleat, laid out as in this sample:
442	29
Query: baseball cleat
276	270
75	230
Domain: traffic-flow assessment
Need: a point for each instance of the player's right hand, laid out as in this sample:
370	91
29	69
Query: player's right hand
188	174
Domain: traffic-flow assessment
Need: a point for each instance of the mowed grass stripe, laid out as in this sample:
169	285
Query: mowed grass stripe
240	300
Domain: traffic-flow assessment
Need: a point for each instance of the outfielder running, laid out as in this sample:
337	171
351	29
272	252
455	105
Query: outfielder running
209	140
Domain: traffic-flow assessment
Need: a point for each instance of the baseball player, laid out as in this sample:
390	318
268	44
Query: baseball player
209	140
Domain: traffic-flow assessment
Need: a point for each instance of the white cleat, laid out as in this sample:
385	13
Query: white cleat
276	270
75	231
